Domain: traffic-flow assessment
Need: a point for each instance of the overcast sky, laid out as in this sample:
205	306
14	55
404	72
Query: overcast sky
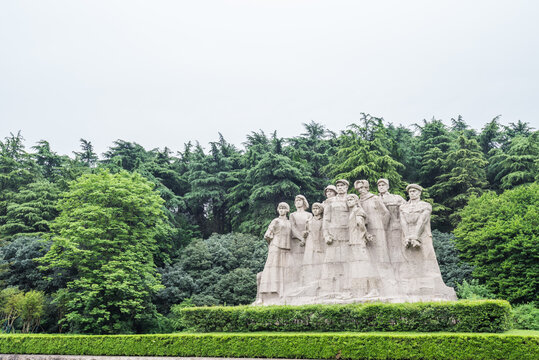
161	73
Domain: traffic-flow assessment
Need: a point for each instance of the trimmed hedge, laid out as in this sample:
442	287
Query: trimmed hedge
279	345
454	316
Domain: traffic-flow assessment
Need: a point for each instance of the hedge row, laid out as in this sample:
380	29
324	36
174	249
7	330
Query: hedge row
455	316
279	345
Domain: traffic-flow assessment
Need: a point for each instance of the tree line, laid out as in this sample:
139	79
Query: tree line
108	244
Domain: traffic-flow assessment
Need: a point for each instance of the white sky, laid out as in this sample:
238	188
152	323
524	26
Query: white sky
162	73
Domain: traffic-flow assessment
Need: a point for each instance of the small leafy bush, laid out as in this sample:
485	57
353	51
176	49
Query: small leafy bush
473	291
459	316
526	317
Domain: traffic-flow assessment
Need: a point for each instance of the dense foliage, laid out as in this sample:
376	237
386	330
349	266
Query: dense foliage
499	236
115	262
461	316
439	346
105	236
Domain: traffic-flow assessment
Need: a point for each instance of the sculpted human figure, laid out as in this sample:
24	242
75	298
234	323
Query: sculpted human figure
356	222
272	278
394	230
421	275
363	279
314	247
298	222
377	221
336	236
330	192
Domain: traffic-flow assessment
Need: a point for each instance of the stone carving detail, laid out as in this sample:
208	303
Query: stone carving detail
352	249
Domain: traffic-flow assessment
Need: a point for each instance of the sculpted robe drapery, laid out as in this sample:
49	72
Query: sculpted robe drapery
272	279
314	252
298	223
377	221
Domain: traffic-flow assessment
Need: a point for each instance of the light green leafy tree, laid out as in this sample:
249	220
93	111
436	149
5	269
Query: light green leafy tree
105	235
32	309
498	235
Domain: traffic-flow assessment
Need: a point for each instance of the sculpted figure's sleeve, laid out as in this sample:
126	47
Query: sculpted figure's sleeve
270	232
386	215
404	225
424	218
325	224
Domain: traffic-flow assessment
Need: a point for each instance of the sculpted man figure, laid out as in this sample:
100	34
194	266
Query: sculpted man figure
330	191
298	222
377	221
394	230
272	278
336	236
421	277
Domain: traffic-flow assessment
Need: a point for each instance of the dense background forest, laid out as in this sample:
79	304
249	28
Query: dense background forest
115	243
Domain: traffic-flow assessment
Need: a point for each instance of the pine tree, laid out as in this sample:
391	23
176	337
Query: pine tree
519	165
362	154
30	210
463	175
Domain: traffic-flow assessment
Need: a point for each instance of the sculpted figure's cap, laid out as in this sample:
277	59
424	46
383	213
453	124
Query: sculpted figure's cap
330	187
319	206
342	181
385	181
362	182
414	186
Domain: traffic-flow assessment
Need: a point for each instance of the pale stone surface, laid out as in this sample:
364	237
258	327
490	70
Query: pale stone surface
298	222
272	279
420	274
352	249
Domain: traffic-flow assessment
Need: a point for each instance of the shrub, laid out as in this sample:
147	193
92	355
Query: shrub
473	291
466	316
310	346
526	317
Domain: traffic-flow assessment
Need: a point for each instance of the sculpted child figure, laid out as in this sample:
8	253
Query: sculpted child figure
421	277
272	278
298	223
314	248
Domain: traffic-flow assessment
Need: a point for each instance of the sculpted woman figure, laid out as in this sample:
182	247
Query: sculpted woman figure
298	223
272	281
420	276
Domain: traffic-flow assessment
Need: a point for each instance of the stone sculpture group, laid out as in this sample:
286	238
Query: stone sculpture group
352	249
